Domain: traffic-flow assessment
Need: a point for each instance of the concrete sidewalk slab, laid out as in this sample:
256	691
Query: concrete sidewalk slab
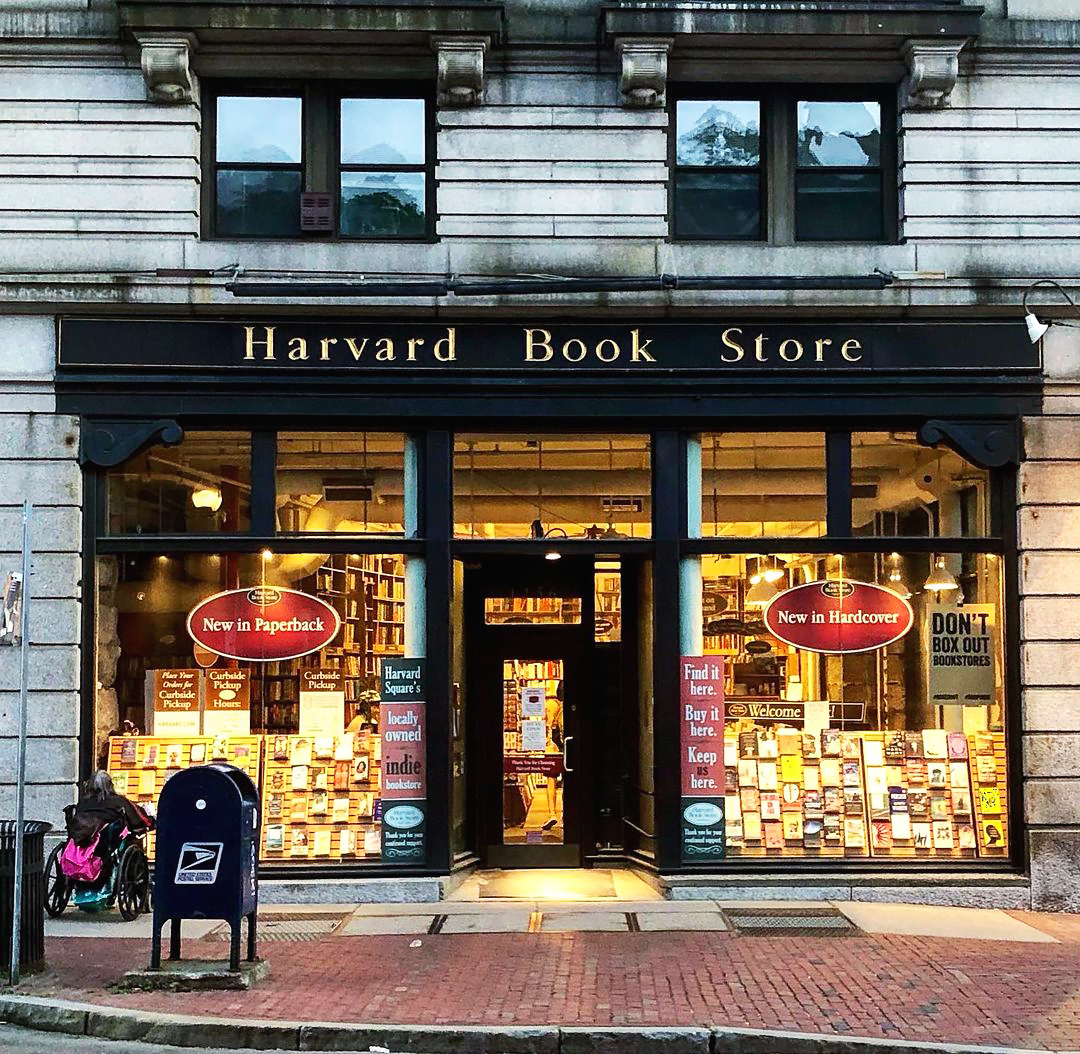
652	921
583	922
919	920
515	921
369	925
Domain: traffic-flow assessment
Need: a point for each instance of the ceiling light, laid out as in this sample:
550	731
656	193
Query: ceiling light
941	580
759	595
267	556
206	498
773	574
551	554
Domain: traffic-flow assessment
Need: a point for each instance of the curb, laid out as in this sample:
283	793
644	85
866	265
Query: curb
181	1030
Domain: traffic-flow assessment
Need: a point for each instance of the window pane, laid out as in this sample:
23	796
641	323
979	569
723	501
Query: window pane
838	206
901	487
350	482
382	131
253	129
718	204
258	204
312	724
758	485
897	751
382	204
717	133
847	134
555	486
203	484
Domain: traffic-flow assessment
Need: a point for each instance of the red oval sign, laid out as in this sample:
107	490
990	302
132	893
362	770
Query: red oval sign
263	624
837	616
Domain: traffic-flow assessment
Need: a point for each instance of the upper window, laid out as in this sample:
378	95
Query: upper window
318	162
782	166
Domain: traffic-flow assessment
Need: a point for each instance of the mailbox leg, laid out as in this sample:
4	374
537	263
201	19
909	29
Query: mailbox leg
174	939
155	947
234	947
251	937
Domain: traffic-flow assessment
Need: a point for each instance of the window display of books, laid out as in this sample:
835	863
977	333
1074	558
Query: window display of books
895	793
321	797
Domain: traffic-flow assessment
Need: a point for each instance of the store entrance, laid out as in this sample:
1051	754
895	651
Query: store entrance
530	627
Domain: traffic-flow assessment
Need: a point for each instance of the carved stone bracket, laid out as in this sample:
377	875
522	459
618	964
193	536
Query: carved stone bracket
933	66
461	70
166	65
988	444
643	76
108	443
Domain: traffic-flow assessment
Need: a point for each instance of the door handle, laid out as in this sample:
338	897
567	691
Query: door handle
565	747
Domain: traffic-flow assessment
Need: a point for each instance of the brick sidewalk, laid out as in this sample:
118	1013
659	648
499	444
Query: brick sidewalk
972	991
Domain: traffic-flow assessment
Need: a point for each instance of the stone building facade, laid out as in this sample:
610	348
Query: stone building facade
552	156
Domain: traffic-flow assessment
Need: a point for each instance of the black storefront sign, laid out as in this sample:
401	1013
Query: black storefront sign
631	347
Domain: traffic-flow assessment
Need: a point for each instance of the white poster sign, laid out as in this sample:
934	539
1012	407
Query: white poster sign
322	703
961	654
533	734
532	701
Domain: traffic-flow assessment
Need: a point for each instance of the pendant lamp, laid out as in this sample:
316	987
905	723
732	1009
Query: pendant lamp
940	580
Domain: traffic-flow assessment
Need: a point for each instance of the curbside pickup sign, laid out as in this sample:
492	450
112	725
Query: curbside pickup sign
263	624
837	617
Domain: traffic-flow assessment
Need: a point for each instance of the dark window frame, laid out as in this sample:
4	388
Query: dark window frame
779	156
321	168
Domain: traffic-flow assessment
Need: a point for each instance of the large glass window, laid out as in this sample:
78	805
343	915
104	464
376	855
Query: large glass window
769	484
901	487
203	484
341	482
864	703
270	661
551	486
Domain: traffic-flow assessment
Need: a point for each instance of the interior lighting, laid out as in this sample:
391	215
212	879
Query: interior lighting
267	556
760	594
941	580
206	498
551	554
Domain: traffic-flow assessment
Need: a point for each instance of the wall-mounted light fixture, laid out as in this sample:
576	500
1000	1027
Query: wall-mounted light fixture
1036	328
206	497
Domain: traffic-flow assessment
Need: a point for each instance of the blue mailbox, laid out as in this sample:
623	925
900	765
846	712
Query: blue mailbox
205	856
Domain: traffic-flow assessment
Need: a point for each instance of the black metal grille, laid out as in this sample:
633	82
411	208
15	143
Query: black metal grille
790	922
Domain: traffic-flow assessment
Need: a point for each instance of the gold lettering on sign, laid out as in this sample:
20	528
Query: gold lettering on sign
853	345
581	353
637	348
795	355
532	343
384	349
445	349
267	343
739	350
324	347
297	349
414	342
819	348
759	347
612	356
356	349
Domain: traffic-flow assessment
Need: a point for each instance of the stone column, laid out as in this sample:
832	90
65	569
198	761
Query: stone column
1050	627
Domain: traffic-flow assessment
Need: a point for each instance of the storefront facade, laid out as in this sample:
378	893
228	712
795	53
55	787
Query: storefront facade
640	495
721	309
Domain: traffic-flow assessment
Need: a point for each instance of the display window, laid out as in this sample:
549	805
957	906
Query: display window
269	661
863	703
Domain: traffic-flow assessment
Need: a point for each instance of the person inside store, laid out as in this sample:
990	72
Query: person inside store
553	718
100	810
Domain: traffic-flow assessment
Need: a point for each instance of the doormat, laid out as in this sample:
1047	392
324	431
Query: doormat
552	884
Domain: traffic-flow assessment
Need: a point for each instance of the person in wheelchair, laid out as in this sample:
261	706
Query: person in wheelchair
101	811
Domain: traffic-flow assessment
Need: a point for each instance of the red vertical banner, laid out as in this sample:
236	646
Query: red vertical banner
701	699
701	724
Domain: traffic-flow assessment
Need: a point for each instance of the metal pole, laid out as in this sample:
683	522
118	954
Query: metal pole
20	770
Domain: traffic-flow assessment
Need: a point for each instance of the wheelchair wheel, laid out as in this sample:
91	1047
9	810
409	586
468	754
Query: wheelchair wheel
132	882
57	887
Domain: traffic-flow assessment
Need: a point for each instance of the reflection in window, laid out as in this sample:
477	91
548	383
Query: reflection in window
340	482
901	487
553	486
838	179
383	153
896	751
770	484
202	485
259	166
718	169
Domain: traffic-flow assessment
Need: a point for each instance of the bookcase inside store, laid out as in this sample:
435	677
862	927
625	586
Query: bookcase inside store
368	593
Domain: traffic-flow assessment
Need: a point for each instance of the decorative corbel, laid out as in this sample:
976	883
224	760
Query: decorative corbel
988	444
933	66
166	65
461	69
643	76
106	443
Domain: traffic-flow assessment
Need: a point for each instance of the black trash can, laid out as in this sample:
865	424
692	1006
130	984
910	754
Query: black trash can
32	941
